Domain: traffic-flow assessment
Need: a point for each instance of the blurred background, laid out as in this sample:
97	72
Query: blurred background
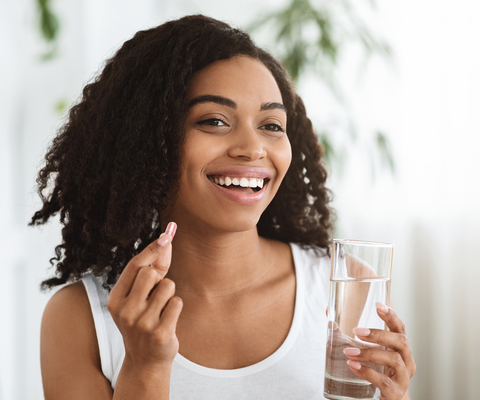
393	89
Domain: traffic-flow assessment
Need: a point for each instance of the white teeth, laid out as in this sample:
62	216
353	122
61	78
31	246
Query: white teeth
244	182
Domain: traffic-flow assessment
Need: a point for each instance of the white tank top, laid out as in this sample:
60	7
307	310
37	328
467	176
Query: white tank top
294	371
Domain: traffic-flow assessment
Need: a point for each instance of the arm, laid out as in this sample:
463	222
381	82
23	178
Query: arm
70	359
145	310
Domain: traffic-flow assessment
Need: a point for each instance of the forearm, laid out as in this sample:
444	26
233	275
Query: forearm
143	383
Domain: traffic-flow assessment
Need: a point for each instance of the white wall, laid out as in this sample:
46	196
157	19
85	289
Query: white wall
427	104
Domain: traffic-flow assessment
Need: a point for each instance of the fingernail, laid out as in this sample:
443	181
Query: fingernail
382	308
361	331
351	351
164	240
171	229
354	364
332	325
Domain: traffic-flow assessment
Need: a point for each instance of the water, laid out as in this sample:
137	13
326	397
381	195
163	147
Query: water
352	304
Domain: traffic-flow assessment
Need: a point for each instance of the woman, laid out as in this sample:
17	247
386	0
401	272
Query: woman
191	122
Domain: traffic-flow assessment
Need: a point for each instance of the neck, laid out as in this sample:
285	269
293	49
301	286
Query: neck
218	264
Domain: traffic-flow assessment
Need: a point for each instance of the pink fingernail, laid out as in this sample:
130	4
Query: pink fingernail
351	351
164	240
171	229
361	331
383	308
354	364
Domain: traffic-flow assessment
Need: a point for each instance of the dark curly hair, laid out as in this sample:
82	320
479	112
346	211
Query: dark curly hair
111	169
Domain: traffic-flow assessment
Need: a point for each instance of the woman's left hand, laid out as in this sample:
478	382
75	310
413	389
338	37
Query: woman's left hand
397	358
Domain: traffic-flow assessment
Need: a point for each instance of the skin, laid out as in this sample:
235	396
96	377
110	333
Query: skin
221	296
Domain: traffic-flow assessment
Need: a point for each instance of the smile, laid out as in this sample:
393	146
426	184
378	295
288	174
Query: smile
249	185
243	190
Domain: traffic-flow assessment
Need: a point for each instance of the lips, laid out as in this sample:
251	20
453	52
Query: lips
242	185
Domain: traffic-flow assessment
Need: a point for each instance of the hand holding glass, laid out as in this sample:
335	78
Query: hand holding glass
360	277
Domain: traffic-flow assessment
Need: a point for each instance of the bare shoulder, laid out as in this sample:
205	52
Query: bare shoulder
70	357
278	248
358	269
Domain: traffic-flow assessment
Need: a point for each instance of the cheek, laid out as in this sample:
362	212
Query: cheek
197	153
282	157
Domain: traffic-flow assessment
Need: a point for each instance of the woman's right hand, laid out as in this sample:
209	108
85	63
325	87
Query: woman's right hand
144	308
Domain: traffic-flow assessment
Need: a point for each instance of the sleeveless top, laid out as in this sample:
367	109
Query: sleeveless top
294	371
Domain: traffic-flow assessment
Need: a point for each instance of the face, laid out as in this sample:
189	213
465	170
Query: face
236	149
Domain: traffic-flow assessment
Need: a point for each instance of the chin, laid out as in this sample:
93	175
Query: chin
237	223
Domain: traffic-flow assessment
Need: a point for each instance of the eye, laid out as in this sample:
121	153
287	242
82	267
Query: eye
212	122
272	127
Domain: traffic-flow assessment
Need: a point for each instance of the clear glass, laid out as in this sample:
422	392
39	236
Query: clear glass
360	277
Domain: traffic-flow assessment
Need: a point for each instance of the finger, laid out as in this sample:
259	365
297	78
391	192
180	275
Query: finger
145	281
146	257
393	321
377	358
159	297
391	340
170	314
157	248
389	388
164	259
125	283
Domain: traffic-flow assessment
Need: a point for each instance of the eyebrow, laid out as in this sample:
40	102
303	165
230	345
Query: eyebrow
210	98
273	106
223	101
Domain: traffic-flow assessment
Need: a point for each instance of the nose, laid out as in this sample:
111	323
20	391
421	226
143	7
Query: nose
246	144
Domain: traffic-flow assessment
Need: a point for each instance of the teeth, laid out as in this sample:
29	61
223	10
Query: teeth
243	182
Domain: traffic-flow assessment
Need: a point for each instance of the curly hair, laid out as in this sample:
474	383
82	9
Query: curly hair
115	164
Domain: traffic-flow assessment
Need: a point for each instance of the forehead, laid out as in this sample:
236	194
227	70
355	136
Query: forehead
237	78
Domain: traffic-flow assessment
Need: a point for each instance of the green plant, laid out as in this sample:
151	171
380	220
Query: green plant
309	39
49	28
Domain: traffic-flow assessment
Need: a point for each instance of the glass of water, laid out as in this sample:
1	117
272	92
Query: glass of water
360	277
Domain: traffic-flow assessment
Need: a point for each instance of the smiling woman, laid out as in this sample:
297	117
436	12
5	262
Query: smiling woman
236	133
190	122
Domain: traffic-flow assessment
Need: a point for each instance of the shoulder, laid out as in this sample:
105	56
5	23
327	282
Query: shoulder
68	346
68	307
73	294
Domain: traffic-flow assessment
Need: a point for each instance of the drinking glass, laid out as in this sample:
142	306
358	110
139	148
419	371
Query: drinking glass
360	277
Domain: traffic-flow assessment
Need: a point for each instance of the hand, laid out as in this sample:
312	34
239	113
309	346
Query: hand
397	358
144	308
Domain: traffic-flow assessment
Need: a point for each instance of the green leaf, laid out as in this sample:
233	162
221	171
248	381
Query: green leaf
328	148
384	150
61	106
49	23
